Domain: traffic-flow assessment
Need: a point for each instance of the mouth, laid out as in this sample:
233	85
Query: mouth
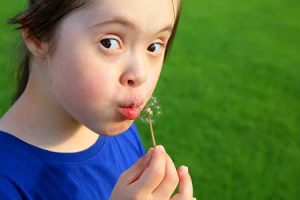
131	110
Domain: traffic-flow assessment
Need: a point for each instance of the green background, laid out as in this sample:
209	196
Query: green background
229	94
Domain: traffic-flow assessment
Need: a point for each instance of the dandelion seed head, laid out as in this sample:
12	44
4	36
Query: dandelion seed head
149	111
152	110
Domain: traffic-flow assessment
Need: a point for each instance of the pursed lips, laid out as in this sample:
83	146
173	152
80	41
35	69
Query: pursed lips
131	109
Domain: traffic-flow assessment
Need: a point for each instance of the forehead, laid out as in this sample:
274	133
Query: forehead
147	15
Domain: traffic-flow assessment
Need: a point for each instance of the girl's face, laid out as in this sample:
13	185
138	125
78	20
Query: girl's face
107	60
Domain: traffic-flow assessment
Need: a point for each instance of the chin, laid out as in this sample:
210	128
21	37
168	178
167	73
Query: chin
114	129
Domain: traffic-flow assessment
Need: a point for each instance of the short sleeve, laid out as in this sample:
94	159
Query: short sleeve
9	190
138	139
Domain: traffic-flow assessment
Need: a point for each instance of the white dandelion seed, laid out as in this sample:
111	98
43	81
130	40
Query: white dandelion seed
151	110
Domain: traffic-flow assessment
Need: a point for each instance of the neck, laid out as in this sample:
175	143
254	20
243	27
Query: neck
38	118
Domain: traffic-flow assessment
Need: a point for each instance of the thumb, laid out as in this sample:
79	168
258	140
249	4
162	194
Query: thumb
185	183
133	173
185	186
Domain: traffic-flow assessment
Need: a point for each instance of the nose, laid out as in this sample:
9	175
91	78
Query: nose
135	72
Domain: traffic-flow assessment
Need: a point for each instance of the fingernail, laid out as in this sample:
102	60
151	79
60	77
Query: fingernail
184	170
161	148
149	152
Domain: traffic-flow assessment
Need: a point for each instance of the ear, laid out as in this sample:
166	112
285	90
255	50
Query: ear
35	46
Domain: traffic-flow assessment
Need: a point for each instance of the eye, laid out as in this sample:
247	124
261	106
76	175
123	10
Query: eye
110	43
155	48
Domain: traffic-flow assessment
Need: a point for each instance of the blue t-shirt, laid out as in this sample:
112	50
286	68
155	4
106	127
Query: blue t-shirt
29	172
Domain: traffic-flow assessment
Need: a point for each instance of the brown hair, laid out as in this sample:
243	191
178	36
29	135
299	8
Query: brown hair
41	19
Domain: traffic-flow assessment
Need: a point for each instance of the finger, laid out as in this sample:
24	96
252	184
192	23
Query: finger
154	173
134	172
169	183
185	187
185	182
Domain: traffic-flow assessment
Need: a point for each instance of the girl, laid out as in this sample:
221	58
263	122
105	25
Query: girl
89	68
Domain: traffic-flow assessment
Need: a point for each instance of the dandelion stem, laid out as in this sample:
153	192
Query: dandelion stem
152	134
149	114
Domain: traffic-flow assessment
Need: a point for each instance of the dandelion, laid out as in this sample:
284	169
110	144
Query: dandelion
151	110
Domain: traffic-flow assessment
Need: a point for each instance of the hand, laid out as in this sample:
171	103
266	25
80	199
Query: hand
154	177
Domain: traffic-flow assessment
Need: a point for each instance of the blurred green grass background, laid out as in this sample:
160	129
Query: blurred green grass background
229	94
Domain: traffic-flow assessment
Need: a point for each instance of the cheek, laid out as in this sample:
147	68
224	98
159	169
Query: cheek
80	81
74	68
156	72
153	79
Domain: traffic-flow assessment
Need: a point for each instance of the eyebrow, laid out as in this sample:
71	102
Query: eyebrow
129	24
